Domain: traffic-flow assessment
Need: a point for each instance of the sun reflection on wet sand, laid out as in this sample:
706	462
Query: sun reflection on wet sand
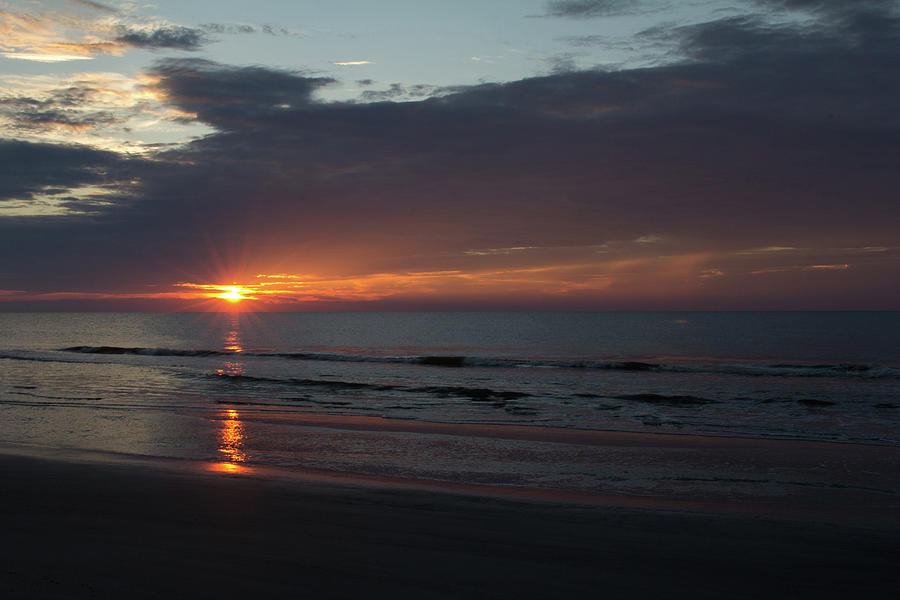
226	467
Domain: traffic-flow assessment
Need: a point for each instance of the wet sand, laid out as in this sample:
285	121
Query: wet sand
76	528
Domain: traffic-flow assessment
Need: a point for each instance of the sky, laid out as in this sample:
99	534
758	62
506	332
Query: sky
426	155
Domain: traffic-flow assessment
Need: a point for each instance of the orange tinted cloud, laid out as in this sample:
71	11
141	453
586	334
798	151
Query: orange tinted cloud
377	286
82	30
55	36
622	278
106	111
594	276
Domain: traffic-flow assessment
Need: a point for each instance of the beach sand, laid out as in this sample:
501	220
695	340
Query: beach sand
77	526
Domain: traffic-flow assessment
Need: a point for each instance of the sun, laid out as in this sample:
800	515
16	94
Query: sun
229	298
232	294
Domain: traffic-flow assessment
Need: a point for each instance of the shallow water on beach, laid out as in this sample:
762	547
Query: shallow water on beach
201	386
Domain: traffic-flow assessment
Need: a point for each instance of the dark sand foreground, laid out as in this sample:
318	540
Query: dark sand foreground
89	529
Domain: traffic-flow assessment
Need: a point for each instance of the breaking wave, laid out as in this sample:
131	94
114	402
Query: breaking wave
142	351
676	400
470	393
849	370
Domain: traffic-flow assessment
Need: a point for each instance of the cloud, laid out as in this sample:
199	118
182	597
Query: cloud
578	153
221	95
95	5
228	28
273	30
759	137
398	91
243	29
767	250
107	111
167	36
67	33
813	268
826	5
27	170
52	119
44	58
50	37
588	9
62	109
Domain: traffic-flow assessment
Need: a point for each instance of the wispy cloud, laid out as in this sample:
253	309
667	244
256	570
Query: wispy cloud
588	9
767	250
352	63
399	92
244	28
841	267
44	58
555	279
95	5
501	251
54	36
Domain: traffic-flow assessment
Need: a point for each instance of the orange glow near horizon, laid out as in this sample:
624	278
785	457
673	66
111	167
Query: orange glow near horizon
583	275
296	288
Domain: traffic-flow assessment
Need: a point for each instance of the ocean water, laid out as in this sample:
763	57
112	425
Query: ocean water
224	386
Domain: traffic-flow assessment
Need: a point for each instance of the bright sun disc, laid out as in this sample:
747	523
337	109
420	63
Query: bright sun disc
231	294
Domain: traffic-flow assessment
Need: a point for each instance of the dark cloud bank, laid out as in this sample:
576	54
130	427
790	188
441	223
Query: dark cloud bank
763	135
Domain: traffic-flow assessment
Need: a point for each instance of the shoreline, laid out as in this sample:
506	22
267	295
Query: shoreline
508	430
90	528
839	483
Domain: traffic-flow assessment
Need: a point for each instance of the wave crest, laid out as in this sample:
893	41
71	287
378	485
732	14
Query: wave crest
749	369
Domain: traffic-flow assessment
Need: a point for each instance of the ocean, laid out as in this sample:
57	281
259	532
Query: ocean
244	389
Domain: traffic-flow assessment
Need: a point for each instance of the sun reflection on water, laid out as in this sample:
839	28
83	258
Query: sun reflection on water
232	438
231	367
232	342
231	444
232	433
